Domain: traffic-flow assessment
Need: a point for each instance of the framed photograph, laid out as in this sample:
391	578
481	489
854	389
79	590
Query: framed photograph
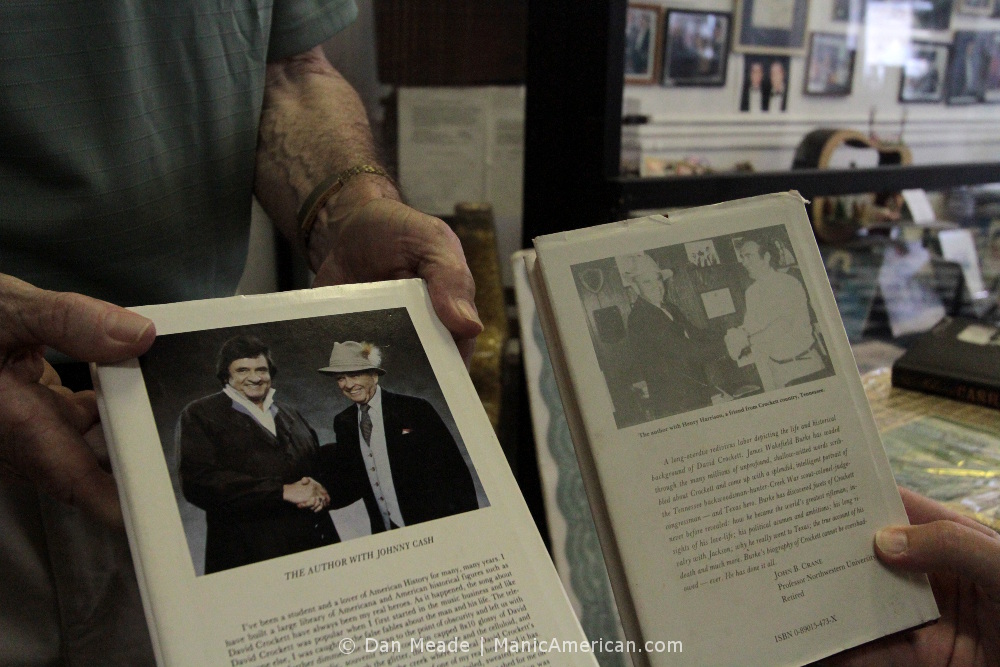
696	50
934	15
991	90
968	67
642	43
765	83
830	66
848	11
923	74
771	26
976	7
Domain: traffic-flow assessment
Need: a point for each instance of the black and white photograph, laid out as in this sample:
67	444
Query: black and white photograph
287	436
830	66
771	26
675	334
765	83
968	67
696	52
642	41
924	72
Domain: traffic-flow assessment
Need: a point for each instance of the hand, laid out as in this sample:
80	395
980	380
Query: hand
307	494
736	341
962	559
45	429
313	124
380	238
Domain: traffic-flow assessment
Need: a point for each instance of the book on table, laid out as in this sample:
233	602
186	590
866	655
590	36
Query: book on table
959	358
732	464
270	525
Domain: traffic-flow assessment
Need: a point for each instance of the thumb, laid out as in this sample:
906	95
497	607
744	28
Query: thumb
74	324
943	546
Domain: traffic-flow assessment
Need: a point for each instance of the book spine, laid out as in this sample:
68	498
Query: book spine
951	387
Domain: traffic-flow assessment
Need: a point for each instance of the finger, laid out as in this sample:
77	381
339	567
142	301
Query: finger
451	287
942	546
27	364
50	377
467	348
74	324
51	452
920	509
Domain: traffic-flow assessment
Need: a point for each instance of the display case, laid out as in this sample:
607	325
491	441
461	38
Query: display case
574	123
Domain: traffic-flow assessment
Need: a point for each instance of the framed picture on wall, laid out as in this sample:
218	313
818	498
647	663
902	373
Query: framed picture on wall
765	83
923	73
932	14
696	48
771	26
968	67
830	65
991	89
976	7
642	43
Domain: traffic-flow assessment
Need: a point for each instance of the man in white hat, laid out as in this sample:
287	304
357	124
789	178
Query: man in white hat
399	444
669	353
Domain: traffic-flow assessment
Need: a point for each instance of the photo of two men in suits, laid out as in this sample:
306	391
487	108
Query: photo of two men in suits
257	477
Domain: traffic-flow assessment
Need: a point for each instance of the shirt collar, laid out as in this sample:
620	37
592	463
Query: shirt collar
247	403
375	402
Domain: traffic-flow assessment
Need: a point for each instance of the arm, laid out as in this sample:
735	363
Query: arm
215	485
45	429
313	125
962	559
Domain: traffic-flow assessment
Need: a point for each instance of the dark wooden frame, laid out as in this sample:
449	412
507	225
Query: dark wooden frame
748	38
941	79
719	80
842	91
655	46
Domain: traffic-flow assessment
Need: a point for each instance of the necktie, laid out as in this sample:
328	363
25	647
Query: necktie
366	424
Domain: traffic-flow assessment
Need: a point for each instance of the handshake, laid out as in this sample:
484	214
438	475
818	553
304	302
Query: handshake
737	343
307	494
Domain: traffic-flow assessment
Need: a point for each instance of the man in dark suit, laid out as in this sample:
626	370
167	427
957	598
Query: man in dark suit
251	463
395	448
670	354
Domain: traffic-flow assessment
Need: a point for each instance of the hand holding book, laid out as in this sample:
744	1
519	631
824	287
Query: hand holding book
962	558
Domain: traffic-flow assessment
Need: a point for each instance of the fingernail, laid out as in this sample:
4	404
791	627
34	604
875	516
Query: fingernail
892	541
126	327
468	311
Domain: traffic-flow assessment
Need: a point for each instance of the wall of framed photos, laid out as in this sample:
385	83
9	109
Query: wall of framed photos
720	83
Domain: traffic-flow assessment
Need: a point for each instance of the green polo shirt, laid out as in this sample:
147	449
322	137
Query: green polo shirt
127	138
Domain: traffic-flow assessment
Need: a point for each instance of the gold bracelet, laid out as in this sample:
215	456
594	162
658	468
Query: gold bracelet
322	193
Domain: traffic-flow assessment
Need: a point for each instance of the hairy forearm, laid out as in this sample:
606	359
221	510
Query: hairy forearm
313	125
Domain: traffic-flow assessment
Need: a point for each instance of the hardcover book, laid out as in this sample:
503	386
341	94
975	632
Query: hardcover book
958	358
732	464
308	478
